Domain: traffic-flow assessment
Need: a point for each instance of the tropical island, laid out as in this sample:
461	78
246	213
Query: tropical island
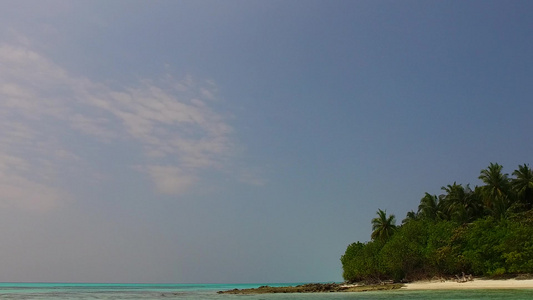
483	232
464	232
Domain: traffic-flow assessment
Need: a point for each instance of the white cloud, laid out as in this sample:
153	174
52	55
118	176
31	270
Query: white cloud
170	180
22	193
21	190
9	163
96	126
170	121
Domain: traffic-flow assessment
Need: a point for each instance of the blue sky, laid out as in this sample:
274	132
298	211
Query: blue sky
243	141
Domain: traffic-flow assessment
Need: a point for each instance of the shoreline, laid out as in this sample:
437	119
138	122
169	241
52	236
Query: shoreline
424	285
313	288
481	284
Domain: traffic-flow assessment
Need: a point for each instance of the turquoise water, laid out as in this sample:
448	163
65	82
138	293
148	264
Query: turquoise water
45	291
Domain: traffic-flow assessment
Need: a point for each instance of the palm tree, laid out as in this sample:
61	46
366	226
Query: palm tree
450	202
460	203
429	207
501	207
383	227
411	216
523	185
497	184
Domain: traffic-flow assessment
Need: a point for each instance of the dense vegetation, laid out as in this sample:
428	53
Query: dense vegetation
485	231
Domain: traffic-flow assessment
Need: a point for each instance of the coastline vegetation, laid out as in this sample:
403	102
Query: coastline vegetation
484	231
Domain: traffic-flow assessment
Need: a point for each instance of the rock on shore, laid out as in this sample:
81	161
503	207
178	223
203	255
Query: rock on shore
313	288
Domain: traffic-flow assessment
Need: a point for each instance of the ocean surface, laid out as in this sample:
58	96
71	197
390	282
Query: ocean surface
42	291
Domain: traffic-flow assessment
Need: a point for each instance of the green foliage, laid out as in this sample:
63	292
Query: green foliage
460	204
361	262
383	227
403	254
523	185
480	247
411	216
351	262
429	207
439	253
497	185
517	247
485	231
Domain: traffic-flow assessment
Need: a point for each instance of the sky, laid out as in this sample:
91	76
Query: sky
243	141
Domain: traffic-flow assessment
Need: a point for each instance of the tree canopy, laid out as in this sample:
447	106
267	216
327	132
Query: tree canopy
383	227
481	231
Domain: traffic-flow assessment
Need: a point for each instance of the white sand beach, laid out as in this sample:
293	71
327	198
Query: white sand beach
475	284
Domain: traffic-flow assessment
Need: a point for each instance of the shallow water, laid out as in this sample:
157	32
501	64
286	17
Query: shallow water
45	291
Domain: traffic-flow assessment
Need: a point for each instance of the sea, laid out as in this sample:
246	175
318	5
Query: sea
46	291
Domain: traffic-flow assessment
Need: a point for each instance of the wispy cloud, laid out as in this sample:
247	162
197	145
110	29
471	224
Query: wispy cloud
172	122
170	180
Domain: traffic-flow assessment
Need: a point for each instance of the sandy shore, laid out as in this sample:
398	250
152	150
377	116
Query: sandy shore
420	285
475	284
